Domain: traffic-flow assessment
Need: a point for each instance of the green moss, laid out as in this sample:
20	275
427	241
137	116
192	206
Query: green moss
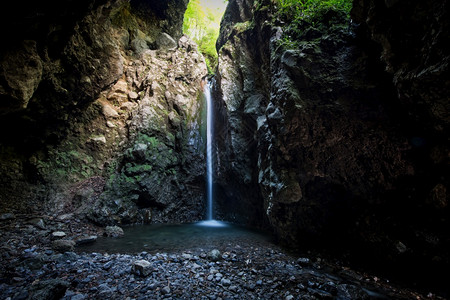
69	166
136	169
241	27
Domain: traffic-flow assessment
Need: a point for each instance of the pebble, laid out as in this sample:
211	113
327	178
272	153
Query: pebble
230	272
142	268
58	234
165	290
7	216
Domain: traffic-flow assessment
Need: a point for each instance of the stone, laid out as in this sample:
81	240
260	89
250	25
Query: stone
128	105
48	289
65	217
7	216
114	231
401	248
214	255
139	46
165	42
98	139
83	240
63	245
165	290
303	261
133	95
121	86
142	268
38	222
58	235
109	112
140	150
225	282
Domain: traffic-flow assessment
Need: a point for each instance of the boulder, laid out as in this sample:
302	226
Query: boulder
63	245
142	268
48	289
113	231
166	42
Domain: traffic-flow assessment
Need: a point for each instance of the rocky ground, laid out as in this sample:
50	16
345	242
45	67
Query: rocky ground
34	266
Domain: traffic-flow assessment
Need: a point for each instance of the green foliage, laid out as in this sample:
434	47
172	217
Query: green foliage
202	25
310	10
302	14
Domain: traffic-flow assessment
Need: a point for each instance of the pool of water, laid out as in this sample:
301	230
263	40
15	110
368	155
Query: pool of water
177	237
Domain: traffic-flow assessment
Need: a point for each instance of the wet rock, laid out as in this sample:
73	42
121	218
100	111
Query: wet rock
225	282
114	231
165	290
38	222
142	268
214	255
63	245
49	289
58	235
85	240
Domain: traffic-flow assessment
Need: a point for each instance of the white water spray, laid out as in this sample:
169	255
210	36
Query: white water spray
209	163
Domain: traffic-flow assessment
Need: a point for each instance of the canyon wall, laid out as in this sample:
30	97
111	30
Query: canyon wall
341	135
100	112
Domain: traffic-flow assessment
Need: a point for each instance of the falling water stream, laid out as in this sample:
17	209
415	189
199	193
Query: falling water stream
209	163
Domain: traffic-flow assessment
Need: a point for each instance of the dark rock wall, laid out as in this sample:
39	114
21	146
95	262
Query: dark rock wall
344	137
99	104
244	88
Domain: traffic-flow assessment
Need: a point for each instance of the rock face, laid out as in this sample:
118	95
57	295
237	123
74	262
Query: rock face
100	112
338	146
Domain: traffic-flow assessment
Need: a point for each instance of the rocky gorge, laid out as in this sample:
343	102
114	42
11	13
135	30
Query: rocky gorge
332	137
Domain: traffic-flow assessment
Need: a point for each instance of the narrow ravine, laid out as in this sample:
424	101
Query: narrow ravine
317	169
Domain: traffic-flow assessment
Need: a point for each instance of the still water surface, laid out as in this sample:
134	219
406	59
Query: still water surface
177	237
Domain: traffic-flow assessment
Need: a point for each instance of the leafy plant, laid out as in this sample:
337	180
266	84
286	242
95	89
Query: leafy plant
296	10
302	14
202	25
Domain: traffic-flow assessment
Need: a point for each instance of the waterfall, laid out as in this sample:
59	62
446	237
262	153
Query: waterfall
209	161
210	222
